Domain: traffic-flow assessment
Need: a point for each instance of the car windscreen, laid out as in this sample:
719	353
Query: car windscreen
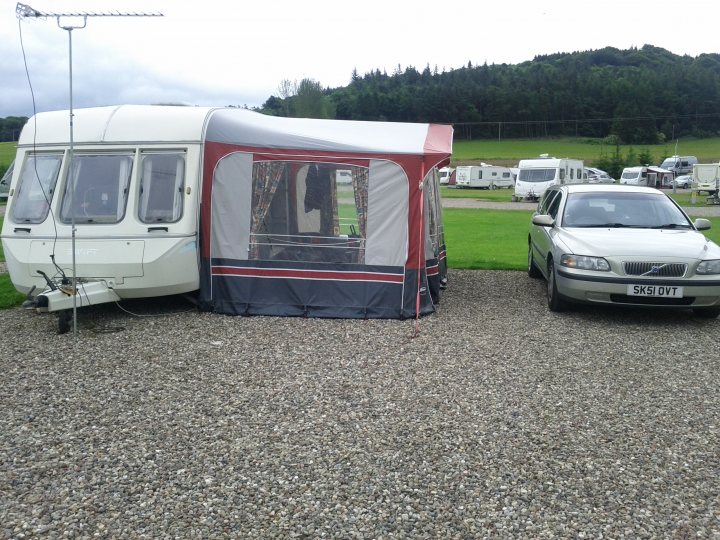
537	175
623	209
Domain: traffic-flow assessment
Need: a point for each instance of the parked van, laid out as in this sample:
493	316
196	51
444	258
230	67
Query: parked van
536	175
647	176
484	176
679	164
706	177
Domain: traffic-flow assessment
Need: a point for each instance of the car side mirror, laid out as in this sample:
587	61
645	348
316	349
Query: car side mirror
544	220
702	224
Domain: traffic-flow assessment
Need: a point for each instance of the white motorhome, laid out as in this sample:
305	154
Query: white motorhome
483	176
536	175
647	176
706	177
679	164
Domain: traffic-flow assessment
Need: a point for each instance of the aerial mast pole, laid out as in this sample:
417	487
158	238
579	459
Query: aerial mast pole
73	21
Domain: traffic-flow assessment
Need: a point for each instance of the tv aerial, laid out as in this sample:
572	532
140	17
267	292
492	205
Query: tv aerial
69	21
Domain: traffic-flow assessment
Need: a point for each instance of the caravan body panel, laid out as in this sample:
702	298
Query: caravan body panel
134	200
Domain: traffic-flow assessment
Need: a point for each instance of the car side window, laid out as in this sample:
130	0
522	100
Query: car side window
547	200
555	205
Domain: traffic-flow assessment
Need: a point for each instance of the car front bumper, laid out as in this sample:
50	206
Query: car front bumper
586	287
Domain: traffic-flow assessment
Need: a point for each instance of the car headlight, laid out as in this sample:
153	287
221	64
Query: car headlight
709	267
583	262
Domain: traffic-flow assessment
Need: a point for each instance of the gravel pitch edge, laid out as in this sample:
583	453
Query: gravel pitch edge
500	419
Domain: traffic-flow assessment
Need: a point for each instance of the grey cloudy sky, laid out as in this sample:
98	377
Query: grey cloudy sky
222	52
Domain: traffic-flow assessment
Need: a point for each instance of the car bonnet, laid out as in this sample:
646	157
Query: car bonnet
641	243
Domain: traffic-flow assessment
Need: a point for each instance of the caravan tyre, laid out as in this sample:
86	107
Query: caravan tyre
64	318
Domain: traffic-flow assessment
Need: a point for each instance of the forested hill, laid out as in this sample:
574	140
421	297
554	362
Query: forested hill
640	95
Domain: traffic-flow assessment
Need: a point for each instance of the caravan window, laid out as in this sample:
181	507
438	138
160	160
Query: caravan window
161	188
36	187
300	212
433	216
537	175
96	190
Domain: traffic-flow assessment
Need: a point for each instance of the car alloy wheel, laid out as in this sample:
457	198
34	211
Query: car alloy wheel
554	300
532	268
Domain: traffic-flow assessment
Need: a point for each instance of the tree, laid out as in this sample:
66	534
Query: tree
287	89
311	102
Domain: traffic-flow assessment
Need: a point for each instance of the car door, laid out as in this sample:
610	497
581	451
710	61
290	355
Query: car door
543	242
539	237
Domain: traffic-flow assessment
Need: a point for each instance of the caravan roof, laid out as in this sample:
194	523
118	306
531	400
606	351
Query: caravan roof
125	123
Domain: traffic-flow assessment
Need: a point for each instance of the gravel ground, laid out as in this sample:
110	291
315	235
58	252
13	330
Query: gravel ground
499	420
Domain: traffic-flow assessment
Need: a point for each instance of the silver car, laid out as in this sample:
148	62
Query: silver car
685	181
622	245
598	176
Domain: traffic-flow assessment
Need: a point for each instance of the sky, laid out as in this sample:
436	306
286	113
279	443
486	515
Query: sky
237	52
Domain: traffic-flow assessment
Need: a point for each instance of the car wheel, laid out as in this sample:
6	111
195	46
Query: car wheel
554	300
532	268
707	313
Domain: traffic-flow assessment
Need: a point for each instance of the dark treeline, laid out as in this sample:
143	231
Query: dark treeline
10	127
643	96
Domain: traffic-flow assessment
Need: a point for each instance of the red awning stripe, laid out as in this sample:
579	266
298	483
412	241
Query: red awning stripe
323	275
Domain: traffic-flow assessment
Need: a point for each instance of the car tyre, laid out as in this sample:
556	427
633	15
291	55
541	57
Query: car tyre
532	268
555	302
707	313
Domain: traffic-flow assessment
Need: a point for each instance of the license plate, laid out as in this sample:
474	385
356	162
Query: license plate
657	291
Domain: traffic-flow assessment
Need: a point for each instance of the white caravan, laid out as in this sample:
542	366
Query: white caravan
646	176
163	200
536	175
484	176
706	177
446	174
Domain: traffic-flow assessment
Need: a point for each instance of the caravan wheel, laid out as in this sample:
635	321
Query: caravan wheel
64	319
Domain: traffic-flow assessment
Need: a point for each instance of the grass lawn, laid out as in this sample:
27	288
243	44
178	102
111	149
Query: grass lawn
497	239
9	297
706	150
489	239
497	195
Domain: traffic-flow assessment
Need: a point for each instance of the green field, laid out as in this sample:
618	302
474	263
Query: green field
7	153
497	239
513	150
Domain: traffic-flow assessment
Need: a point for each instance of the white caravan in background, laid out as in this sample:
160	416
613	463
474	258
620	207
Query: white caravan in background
536	175
484	176
706	177
646	176
446	175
